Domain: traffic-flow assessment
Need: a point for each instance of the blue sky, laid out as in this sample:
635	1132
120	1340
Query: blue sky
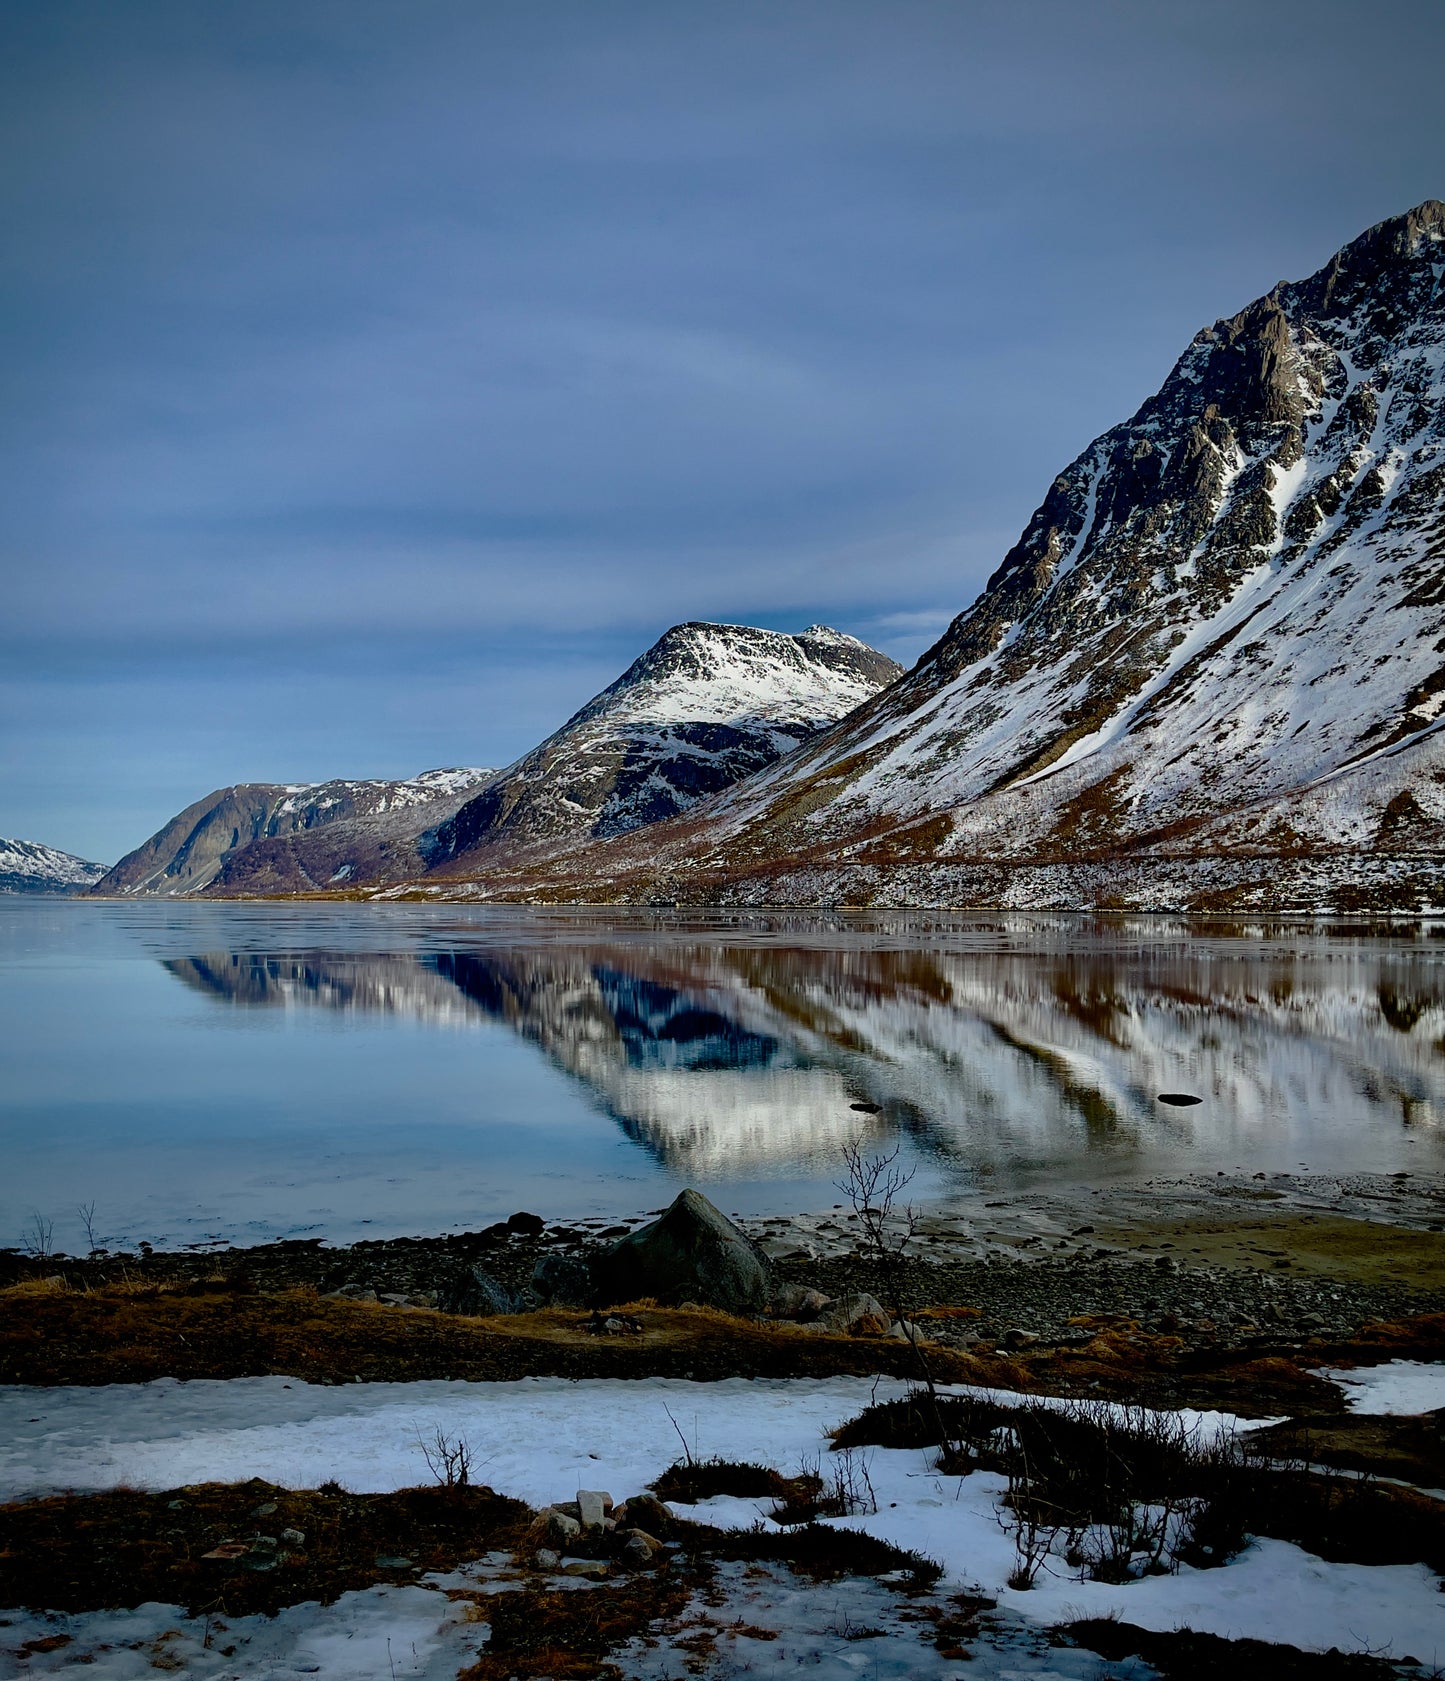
378	380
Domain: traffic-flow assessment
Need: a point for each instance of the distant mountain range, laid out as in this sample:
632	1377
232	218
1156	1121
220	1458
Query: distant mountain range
26	867
1210	675
270	838
706	706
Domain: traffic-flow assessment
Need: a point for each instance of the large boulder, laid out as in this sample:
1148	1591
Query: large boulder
563	1280
691	1253
473	1291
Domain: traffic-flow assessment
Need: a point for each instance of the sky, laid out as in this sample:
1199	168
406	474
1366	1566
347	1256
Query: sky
378	380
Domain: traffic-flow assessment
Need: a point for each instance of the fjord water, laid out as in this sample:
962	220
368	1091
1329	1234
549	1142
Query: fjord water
208	1071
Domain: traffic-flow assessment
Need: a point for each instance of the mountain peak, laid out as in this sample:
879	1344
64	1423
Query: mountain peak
705	706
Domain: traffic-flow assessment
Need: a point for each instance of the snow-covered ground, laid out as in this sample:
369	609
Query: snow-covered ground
542	1438
1399	1386
770	1623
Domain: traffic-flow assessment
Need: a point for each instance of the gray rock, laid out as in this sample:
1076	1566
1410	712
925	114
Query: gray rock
691	1252
352	1293
477	1293
559	1528
638	1547
593	1506
796	1301
294	1537
844	1312
546	1558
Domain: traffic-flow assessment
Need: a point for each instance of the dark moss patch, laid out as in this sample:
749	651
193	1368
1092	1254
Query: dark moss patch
689	1481
1186	1656
122	1548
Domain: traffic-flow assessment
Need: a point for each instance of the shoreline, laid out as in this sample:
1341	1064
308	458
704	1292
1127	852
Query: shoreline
1236	1265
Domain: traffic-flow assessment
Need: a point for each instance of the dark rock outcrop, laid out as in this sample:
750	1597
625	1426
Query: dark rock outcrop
476	1292
690	1253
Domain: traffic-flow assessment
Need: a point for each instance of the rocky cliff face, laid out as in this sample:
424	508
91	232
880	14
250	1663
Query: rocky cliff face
1220	638
706	706
265	837
27	867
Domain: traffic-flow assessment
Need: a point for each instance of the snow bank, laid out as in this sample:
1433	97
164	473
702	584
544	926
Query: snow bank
1399	1386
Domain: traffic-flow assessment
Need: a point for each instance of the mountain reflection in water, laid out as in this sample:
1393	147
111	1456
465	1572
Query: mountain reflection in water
729	1060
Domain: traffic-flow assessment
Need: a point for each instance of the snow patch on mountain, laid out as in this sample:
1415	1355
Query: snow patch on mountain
28	867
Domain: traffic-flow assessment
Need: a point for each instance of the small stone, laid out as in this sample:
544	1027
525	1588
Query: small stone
845	1312
904	1330
592	1507
265	1509
559	1528
639	1548
590	1567
546	1558
524	1224
294	1537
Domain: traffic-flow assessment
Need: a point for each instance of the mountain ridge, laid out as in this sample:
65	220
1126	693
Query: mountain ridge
704	706
1219	637
30	867
281	837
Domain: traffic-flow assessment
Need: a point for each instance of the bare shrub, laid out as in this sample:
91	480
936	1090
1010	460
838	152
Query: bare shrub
448	1458
874	1187
86	1211
38	1238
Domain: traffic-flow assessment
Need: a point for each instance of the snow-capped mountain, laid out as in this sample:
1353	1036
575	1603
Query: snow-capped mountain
704	707
1210	672
266	837
28	867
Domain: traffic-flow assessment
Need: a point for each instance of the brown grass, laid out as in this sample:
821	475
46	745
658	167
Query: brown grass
118	1336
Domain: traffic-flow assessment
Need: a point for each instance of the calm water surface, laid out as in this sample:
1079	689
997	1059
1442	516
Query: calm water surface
239	1072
